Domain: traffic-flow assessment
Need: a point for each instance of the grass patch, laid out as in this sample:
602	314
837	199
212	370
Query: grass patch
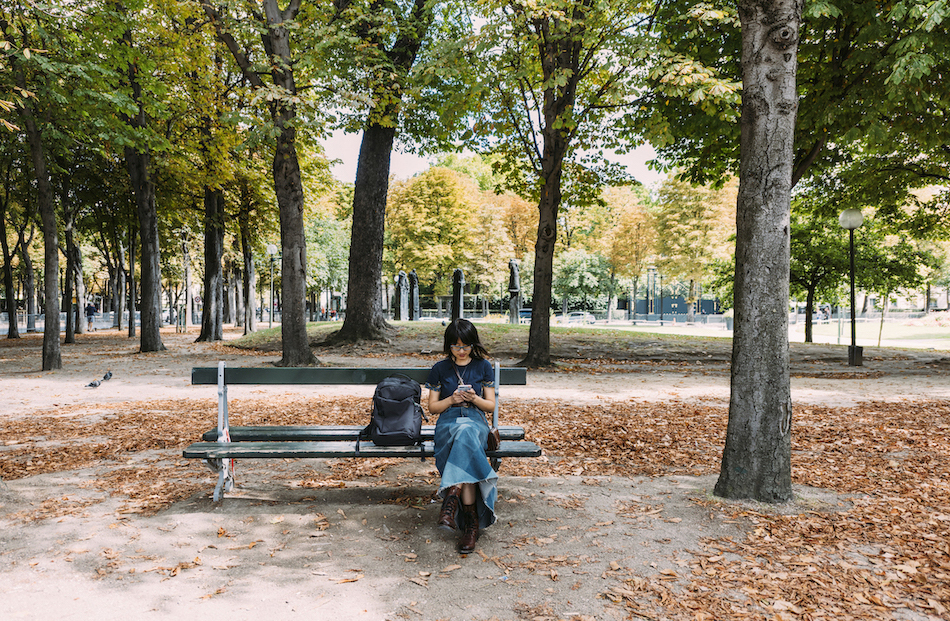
499	338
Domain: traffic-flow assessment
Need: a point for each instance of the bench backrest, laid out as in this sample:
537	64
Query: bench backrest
511	376
301	376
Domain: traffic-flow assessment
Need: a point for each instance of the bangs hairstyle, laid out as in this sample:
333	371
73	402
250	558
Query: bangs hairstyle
463	330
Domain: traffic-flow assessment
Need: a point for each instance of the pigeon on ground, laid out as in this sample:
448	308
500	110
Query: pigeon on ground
107	376
93	384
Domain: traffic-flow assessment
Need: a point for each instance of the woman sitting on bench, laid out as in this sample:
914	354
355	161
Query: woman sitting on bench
461	390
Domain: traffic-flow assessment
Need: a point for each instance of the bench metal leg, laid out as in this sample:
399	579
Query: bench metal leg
224	469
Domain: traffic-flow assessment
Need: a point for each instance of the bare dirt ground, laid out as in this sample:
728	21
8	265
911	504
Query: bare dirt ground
101	517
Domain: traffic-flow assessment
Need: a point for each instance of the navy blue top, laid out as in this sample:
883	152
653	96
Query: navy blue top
479	373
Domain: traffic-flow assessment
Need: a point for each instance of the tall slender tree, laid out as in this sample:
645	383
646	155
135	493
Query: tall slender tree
275	26
6	209
17	30
561	72
138	160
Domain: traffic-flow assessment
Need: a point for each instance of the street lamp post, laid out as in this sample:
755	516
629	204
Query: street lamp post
851	219
272	251
651	292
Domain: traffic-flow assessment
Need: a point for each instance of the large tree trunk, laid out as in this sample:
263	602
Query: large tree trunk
29	284
558	56
539	334
286	169
290	199
554	151
293	326
52	351
131	284
756	461
250	277
212	318
809	314
80	290
364	309
186	261
237	292
68	293
151	279
8	289
138	162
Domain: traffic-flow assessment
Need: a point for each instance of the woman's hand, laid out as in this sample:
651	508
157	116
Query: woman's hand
460	397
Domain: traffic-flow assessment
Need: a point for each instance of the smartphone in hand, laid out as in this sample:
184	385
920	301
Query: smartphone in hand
463	388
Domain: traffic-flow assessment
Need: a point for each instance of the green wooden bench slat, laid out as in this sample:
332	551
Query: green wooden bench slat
514	376
290	433
270	450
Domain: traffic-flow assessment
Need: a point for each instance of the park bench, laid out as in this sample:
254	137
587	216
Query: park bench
223	443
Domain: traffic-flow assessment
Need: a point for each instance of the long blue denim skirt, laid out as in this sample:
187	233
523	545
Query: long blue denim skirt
461	438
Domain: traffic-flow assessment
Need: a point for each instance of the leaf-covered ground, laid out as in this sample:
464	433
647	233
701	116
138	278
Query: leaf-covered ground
890	549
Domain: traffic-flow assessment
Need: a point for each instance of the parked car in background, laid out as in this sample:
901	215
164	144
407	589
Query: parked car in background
524	315
576	318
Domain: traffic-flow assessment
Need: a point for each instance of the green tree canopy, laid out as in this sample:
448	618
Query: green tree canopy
694	225
436	223
580	274
557	74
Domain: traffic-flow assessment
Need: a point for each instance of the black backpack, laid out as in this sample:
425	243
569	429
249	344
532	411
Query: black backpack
397	415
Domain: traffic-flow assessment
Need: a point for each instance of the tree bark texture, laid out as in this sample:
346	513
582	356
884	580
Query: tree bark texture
29	285
68	293
364	309
250	277
293	261
186	261
130	282
212	312
809	314
150	306
9	290
119	293
539	334
756	461
52	350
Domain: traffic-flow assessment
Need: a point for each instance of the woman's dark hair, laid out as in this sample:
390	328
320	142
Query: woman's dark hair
463	330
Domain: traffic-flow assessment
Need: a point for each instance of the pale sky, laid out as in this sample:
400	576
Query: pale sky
346	148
